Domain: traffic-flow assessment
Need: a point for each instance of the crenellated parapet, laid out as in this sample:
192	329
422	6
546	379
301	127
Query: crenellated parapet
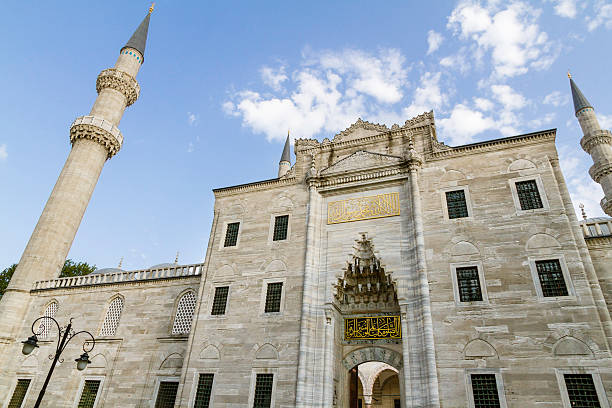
99	130
601	136
120	81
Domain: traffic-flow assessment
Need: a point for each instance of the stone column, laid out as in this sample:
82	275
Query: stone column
329	366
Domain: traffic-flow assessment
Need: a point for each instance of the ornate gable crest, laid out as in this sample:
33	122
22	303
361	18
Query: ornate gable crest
361	160
360	129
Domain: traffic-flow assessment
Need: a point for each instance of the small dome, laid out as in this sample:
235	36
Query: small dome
106	270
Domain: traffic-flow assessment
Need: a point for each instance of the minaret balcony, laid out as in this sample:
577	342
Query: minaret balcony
598	171
120	81
588	142
99	130
606	206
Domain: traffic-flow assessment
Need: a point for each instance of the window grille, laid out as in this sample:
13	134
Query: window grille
605	230
19	394
592	230
45	324
456	204
202	399
281	223
263	391
184	314
166	395
220	300
273	297
111	320
528	194
484	390
397	403
469	284
581	390
231	234
551	278
89	394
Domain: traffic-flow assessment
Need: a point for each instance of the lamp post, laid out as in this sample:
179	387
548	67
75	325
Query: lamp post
64	336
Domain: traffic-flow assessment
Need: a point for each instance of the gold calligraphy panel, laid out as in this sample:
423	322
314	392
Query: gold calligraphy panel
372	328
363	208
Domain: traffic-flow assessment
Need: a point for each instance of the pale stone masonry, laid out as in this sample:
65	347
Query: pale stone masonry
454	272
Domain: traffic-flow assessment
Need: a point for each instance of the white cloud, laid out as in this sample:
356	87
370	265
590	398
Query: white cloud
463	124
510	34
508	97
434	39
605	121
192	119
190	147
565	8
556	99
274	78
483	104
602	15
427	96
3	152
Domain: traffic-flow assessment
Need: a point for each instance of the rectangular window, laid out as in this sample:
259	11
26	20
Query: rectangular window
605	230
456	204
528	194
202	399
484	390
20	392
592	230
263	391
581	390
89	394
469	284
220	300
281	223
273	297
166	395
551	278
231	234
397	403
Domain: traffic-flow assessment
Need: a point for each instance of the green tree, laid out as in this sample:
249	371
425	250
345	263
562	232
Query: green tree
70	268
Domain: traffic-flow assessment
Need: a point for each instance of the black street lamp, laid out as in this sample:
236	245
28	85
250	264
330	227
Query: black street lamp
64	336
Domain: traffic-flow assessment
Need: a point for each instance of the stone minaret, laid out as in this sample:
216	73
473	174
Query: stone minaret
285	162
596	142
95	138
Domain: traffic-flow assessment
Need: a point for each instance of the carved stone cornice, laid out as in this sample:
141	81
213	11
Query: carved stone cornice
255	186
360	124
601	242
598	171
119	81
596	138
99	130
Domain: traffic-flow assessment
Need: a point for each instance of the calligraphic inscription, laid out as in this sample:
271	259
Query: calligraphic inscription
363	208
371	328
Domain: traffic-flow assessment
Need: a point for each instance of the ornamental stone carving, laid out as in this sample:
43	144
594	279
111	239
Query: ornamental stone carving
597	171
596	138
99	130
606	206
119	81
362	160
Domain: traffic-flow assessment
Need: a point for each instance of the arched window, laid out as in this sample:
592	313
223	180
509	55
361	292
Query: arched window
45	325
184	313
111	320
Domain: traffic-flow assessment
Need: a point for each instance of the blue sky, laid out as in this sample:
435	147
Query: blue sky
223	81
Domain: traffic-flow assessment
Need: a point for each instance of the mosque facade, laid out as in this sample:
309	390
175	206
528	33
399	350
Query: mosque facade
381	268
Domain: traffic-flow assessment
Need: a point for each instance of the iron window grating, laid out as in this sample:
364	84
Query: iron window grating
111	320
184	314
581	391
551	278
204	391
166	395
231	234
484	390
20	392
273	297
263	391
281	224
456	204
468	284
528	194
89	394
45	324
220	300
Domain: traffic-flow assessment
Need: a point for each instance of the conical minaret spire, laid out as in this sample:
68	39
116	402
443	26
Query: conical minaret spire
597	142
285	162
95	138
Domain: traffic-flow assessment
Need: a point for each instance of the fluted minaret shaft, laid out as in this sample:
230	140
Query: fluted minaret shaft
596	142
95	138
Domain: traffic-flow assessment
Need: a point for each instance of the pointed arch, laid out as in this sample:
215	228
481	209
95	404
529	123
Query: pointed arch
44	328
267	352
184	313
113	314
363	355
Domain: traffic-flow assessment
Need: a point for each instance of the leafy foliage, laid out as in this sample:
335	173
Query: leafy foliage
70	268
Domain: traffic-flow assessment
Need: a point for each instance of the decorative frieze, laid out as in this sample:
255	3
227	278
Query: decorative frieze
363	208
372	328
119	81
593	139
99	130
